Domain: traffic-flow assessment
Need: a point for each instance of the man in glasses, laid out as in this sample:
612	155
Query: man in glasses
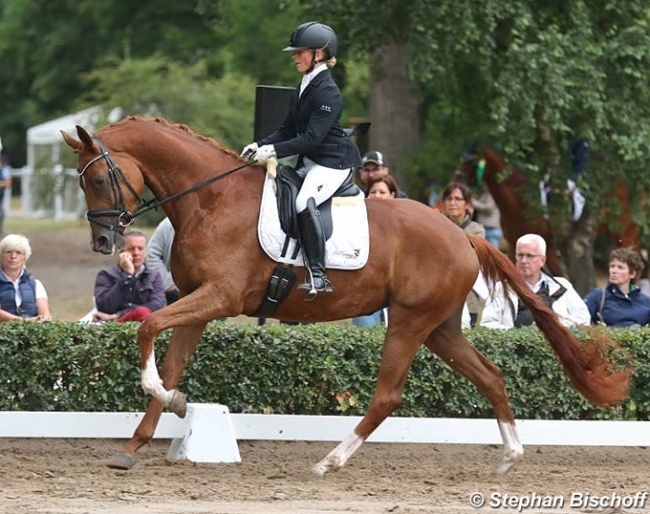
556	292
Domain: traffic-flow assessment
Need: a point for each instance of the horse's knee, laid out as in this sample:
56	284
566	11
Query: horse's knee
386	404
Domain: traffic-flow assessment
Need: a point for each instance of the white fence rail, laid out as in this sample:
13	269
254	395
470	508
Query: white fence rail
331	428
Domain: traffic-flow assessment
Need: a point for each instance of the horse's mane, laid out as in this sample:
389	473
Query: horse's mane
515	177
175	126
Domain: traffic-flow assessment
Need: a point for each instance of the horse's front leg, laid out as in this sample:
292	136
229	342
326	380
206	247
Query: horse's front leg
193	310
183	342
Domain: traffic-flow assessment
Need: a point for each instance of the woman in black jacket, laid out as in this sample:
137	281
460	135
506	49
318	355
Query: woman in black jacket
312	131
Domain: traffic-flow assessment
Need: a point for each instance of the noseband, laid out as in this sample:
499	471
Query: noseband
123	218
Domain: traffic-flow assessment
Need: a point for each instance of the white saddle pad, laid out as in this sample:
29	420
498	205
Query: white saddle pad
347	249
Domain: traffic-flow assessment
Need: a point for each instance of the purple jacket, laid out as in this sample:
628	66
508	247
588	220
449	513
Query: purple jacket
117	292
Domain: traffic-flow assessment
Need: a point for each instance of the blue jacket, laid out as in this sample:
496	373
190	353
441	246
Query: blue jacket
311	128
118	293
27	286
619	310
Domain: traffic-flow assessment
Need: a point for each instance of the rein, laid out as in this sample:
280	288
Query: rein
123	217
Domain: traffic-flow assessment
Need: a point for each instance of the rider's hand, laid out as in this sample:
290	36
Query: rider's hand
249	151
264	153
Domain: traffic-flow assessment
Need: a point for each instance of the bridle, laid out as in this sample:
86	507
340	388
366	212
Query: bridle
124	218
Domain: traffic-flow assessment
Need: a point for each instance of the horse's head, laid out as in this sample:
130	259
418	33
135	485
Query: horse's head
470	169
112	189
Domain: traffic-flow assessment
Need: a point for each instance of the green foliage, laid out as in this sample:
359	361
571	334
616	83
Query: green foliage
182	93
315	369
51	44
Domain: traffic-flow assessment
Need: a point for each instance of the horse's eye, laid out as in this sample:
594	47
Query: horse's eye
98	182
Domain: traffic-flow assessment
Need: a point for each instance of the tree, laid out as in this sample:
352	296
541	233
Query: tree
221	108
49	44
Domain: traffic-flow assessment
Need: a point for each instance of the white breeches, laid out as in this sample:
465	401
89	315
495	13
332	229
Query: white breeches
320	184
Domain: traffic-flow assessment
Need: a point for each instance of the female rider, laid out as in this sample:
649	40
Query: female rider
312	131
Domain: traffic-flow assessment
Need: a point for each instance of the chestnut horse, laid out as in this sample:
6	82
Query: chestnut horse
507	194
421	266
516	217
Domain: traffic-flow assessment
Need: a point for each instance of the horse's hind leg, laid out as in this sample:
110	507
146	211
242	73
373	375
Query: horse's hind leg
403	339
449	343
181	346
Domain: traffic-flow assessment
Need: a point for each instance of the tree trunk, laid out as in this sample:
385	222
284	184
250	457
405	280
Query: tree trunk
579	254
394	107
575	240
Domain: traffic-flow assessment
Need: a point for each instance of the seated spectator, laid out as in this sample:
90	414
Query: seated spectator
621	303
382	188
129	291
556	292
22	297
159	252
457	206
373	166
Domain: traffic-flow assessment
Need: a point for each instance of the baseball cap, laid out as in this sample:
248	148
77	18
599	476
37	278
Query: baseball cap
374	157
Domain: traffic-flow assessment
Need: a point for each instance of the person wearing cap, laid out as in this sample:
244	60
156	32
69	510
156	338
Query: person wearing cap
373	166
312	130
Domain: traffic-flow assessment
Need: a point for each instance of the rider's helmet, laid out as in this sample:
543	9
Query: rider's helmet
314	36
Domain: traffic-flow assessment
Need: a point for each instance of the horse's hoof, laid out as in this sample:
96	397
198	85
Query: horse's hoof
507	464
326	466
319	470
122	460
178	405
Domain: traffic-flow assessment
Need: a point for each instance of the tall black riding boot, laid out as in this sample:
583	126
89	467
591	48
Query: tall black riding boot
312	240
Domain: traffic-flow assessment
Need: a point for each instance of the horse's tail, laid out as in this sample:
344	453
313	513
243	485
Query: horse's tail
586	365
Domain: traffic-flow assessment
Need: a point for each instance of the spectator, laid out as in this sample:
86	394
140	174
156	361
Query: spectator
457	200
487	214
159	252
621	303
457	205
129	291
556	292
22	297
382	188
372	166
5	183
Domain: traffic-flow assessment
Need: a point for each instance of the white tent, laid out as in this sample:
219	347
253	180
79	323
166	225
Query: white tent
45	140
48	189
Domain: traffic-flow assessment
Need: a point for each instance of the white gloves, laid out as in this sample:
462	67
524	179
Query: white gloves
249	151
264	153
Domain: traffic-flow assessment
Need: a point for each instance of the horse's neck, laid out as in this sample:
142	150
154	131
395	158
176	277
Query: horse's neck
173	163
503	191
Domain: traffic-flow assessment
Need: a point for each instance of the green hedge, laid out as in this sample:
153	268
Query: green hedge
313	369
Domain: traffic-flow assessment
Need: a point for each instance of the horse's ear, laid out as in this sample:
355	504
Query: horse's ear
86	142
85	138
71	141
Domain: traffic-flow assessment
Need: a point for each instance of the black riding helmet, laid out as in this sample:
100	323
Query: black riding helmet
314	36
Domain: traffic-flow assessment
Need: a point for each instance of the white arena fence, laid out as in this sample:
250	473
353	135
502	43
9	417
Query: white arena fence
209	432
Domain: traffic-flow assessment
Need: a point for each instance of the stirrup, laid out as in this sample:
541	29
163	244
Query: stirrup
315	286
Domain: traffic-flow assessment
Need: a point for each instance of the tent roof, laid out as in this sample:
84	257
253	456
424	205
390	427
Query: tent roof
49	133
